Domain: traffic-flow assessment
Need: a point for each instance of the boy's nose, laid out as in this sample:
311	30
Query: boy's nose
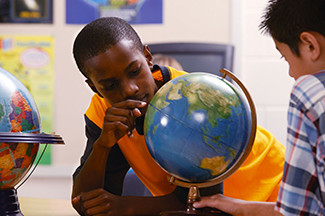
129	89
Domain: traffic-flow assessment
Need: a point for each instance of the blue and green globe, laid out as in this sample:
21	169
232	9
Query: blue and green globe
198	126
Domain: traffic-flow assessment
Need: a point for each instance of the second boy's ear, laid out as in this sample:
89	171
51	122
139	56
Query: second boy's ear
92	86
311	44
148	55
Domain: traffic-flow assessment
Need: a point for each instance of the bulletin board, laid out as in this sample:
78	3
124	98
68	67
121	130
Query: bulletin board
132	11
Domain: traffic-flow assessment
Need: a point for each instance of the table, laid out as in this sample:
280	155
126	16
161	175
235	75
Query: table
46	207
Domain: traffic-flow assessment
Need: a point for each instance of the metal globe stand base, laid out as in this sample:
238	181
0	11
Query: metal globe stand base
194	195
9	205
196	213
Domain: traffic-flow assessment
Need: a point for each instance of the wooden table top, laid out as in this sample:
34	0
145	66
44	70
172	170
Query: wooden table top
46	207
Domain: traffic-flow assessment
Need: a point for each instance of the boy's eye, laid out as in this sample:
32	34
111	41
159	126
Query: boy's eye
135	72
110	86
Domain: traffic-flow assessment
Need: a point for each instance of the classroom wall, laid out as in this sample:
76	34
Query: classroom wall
259	66
216	21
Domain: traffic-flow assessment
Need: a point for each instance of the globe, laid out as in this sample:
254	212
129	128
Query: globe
18	113
199	127
19	139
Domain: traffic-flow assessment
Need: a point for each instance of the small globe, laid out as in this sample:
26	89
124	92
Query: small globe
18	113
198	126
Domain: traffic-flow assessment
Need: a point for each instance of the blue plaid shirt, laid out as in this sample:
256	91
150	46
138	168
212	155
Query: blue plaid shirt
302	190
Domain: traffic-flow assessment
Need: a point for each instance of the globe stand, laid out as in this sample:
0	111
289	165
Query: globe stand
9	204
193	196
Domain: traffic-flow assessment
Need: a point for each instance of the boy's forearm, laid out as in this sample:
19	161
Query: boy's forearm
258	208
92	174
125	205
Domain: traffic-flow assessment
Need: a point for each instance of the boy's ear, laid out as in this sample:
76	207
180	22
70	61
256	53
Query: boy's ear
311	45
148	55
92	86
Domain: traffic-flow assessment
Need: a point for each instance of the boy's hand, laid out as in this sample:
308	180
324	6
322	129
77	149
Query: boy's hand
221	202
100	202
237	207
120	120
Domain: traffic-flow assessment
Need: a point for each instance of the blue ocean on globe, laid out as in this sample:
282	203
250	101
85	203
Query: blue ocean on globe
198	126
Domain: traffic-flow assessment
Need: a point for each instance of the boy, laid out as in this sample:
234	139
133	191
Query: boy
298	30
119	69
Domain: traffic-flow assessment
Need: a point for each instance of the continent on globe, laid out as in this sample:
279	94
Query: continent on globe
21	117
216	164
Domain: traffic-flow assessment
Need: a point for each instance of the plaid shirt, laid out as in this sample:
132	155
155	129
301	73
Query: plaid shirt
302	190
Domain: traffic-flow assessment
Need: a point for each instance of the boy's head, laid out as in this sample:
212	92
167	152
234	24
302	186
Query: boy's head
298	30
98	36
285	20
117	66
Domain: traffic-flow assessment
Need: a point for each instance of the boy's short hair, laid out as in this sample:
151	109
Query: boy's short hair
285	20
99	35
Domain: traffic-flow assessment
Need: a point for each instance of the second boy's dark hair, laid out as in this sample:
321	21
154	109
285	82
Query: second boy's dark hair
98	36
285	20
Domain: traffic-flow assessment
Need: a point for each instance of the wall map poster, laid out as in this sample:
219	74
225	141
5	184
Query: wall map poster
31	60
133	11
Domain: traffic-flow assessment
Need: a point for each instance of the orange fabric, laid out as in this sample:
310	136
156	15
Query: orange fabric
260	175
157	76
96	110
175	73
